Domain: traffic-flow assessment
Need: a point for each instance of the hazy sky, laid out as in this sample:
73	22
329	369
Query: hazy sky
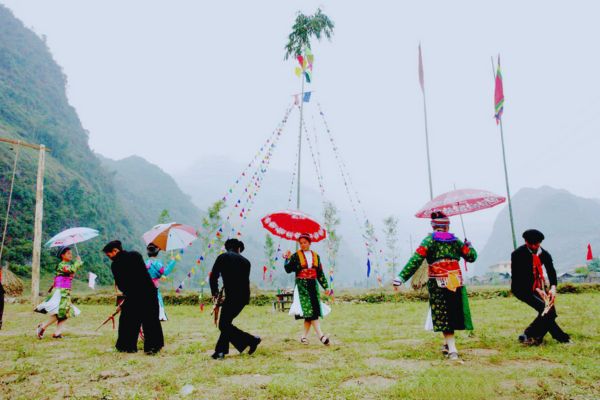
178	81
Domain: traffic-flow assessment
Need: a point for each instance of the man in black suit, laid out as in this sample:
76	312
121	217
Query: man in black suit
234	269
140	307
529	286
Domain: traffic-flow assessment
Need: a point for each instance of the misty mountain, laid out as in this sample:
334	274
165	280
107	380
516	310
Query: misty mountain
78	191
569	223
144	190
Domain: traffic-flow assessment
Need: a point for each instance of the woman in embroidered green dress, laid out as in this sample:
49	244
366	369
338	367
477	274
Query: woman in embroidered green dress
58	303
307	305
449	305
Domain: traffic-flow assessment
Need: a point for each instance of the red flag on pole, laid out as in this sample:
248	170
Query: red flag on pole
498	95
421	73
590	256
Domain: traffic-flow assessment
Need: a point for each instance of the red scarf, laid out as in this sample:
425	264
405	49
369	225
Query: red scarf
538	273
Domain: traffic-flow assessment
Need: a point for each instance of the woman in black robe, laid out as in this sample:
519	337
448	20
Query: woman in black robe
140	307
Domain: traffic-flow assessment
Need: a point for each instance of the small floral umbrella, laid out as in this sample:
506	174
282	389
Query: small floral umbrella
171	236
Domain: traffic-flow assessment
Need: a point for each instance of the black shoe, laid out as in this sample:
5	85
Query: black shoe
522	338
254	345
566	340
218	356
445	350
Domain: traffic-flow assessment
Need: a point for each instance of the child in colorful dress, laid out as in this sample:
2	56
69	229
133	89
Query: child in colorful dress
307	305
58	303
157	270
449	305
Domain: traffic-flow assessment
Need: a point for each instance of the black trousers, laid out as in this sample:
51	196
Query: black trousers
136	315
543	324
1	303
230	333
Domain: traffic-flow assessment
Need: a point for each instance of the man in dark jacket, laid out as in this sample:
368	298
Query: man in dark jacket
529	286
140	307
234	269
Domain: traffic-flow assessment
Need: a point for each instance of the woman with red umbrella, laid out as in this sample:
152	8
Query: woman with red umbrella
306	264
449	305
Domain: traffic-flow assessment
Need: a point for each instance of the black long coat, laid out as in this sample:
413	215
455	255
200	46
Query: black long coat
132	277
140	309
522	270
235	271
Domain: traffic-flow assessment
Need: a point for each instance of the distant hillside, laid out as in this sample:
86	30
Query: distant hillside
144	190
34	108
569	223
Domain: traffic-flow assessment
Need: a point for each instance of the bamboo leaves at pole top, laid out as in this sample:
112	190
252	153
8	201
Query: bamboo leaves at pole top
305	27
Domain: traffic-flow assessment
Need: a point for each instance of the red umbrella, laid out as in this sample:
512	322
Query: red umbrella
461	201
290	224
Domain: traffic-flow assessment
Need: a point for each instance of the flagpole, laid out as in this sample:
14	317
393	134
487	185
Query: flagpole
427	145
510	210
300	143
422	82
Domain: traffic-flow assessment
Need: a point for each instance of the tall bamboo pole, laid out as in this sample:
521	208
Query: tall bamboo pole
37	229
510	210
427	147
300	142
422	83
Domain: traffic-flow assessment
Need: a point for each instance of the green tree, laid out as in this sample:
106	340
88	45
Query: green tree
211	238
371	241
582	270
305	27
164	217
390	231
332	222
594	265
270	251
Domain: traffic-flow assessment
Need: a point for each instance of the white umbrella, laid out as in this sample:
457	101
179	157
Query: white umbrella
72	236
171	236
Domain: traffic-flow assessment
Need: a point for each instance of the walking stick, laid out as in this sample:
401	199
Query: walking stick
218	302
112	317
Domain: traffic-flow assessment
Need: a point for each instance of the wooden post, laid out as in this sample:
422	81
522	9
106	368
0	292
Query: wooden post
37	230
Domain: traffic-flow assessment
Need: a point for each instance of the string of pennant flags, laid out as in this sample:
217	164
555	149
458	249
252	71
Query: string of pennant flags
260	163
316	157
371	241
241	196
278	252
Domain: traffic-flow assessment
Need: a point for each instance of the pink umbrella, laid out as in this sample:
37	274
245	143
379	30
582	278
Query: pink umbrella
462	201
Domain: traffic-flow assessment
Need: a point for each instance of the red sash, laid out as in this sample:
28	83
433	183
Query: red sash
305	272
441	268
538	273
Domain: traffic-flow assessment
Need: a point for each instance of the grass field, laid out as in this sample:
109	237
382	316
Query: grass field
378	351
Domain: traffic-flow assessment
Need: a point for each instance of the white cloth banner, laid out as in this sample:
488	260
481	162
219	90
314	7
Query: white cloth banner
92	280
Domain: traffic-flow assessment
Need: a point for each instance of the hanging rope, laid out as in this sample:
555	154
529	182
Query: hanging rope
12	184
371	240
316	165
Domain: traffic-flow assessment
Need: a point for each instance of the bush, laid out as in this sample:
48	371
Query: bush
372	297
